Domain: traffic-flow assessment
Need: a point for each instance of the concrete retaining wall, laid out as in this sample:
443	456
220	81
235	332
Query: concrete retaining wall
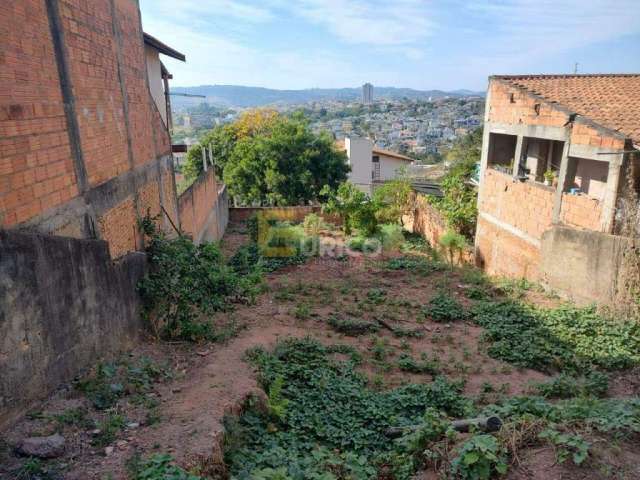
581	264
64	304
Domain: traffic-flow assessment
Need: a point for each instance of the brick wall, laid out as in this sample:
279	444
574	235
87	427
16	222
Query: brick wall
36	169
198	208
513	216
426	221
526	206
581	211
95	170
500	252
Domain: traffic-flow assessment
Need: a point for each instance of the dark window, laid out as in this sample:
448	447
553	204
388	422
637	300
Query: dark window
375	159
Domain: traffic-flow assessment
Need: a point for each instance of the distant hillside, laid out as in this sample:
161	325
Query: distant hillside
237	96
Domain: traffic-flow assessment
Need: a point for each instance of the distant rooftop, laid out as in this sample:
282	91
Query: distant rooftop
610	100
378	151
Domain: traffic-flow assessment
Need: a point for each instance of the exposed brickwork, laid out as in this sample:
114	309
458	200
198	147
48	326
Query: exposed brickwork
512	105
36	170
103	51
581	211
91	52
196	203
119	228
499	252
137	91
427	221
526	206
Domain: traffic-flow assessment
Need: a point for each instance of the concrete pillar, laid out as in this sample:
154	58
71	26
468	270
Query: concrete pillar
517	155
562	178
211	155
611	194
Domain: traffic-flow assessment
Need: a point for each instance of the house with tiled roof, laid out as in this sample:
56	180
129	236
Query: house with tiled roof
559	153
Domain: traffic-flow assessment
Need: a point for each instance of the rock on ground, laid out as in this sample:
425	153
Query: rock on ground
42	447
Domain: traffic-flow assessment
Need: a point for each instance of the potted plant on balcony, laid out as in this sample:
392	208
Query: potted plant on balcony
549	176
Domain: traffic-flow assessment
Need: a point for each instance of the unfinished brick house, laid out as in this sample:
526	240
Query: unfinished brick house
85	148
580	133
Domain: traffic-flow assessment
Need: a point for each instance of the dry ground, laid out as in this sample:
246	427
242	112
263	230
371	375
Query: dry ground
209	379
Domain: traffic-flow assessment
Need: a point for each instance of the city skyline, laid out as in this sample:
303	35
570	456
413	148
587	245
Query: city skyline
411	43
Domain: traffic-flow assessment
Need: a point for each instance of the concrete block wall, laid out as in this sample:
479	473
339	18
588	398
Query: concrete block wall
64	305
92	170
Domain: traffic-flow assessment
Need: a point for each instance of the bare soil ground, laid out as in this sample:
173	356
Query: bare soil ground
208	380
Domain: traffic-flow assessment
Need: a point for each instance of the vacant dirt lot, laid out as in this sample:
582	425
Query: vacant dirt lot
181	409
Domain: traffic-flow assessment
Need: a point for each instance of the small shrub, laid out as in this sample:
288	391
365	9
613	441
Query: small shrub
185	283
313	224
109	429
417	265
407	363
567	445
454	244
390	236
566	386
160	467
444	308
480	458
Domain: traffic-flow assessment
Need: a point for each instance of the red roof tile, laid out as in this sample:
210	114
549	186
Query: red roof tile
610	100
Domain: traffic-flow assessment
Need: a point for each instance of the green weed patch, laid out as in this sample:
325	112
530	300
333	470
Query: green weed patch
332	425
565	338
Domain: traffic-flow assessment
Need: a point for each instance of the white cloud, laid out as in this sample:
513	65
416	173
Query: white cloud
535	28
373	22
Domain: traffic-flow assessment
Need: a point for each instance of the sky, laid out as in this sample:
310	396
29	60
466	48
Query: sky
422	44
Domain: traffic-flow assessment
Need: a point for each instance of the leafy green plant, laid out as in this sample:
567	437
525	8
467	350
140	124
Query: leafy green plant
564	338
480	458
276	403
459	201
391	236
377	295
408	364
419	265
567	445
355	208
186	282
454	244
444	308
161	467
313	224
566	386
108	429
334	422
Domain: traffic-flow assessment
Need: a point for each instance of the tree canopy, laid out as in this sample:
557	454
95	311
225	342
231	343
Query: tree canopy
271	159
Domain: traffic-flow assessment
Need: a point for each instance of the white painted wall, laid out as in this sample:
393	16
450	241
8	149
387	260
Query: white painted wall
154	71
389	167
591	177
359	152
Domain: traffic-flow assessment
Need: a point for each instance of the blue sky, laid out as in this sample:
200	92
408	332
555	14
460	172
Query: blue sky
424	44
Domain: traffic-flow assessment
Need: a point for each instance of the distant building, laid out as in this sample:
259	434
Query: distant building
371	166
367	94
